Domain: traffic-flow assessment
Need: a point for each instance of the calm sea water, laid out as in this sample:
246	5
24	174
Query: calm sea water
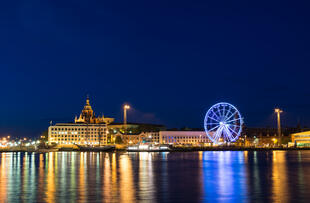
155	177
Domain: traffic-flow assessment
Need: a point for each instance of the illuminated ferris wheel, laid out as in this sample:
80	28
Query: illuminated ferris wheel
223	123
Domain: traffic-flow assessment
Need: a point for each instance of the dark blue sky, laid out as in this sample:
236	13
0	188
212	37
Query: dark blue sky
171	60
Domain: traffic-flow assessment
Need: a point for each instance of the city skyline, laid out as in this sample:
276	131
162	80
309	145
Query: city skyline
170	61
144	118
154	101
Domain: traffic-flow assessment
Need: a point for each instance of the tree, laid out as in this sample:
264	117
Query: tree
43	139
118	140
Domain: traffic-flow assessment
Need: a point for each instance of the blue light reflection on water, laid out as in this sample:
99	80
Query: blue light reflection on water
224	177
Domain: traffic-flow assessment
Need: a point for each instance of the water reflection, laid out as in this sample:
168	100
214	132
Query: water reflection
146	184
82	189
224	176
106	187
279	177
127	190
166	177
50	193
3	177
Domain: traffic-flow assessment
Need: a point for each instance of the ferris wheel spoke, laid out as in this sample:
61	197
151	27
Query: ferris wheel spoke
218	116
228	111
219	111
213	119
232	130
233	120
213	114
215	135
212	123
236	126
225	134
232	114
218	133
228	134
214	128
231	136
224	109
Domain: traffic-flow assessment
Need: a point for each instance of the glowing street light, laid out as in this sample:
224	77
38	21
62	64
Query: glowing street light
126	107
278	111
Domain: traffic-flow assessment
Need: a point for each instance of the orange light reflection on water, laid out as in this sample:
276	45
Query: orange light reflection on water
126	180
82	188
50	193
3	178
106	186
279	177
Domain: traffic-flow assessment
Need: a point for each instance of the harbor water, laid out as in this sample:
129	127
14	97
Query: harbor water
225	176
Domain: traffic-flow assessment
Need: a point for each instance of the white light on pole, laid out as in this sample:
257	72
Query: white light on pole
278	112
126	107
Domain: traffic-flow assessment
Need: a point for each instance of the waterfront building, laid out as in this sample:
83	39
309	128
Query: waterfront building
175	137
267	131
301	139
153	136
133	133
200	138
183	137
132	138
167	137
87	129
136	138
134	128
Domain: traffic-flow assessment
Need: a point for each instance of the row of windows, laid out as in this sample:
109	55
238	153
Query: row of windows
185	137
184	141
65	139
296	136
80	129
74	136
77	133
187	140
66	142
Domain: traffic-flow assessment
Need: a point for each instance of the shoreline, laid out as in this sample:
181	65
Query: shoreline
192	149
237	149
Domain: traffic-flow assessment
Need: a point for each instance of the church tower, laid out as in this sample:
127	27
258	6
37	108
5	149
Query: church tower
87	112
88	116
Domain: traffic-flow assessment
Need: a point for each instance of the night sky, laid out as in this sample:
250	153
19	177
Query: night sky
170	60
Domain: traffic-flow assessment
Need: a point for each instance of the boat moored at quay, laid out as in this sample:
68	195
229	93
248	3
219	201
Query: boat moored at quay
147	146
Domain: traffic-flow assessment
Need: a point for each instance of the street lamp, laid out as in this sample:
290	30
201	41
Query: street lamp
126	107
278	111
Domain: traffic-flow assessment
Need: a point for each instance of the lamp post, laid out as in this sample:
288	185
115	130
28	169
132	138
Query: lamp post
278	112
126	107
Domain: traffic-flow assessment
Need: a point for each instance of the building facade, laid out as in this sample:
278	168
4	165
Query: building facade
171	137
167	137
183	137
301	139
154	136
87	129
134	128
